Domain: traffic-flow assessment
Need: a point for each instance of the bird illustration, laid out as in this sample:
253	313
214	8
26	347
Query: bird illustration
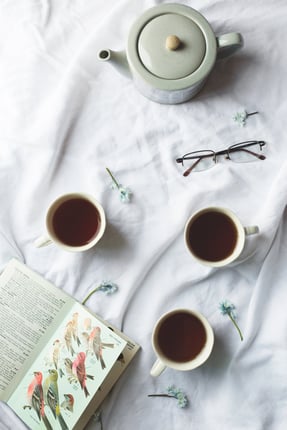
69	372
79	371
51	396
96	345
75	322
87	323
107	345
68	366
68	336
35	398
68	403
85	341
87	344
56	352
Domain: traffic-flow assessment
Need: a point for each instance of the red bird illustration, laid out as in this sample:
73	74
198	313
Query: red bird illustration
68	403
79	370
36	398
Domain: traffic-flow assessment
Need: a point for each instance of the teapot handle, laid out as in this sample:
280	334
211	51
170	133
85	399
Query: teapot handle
228	43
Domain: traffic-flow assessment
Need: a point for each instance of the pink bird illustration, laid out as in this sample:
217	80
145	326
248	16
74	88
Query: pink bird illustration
35	398
69	372
79	370
68	403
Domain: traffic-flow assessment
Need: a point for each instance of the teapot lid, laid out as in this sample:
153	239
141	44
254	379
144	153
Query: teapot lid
171	46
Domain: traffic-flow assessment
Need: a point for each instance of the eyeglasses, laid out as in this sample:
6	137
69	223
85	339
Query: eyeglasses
243	152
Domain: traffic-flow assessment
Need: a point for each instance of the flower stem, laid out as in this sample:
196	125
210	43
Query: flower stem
89	295
235	324
113	178
161	395
252	113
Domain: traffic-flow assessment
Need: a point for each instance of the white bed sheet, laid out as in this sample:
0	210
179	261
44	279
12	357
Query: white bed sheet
65	117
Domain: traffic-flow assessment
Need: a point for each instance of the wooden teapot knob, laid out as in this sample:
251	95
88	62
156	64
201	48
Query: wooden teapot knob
172	42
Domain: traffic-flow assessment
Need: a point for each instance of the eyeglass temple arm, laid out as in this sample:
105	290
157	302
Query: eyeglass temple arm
187	172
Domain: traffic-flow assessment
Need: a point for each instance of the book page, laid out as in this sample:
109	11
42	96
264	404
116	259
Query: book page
30	308
118	369
68	372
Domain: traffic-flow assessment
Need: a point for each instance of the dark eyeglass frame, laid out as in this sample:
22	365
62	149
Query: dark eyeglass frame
233	148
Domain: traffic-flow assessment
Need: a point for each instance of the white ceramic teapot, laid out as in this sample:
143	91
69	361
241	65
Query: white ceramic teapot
170	52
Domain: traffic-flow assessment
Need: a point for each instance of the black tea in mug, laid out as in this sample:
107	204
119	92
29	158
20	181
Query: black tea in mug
181	337
212	236
76	221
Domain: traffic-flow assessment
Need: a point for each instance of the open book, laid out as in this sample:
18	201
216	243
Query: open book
58	361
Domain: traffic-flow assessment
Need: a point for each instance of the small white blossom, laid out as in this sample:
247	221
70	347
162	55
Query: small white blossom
240	117
227	308
175	393
179	395
107	287
125	192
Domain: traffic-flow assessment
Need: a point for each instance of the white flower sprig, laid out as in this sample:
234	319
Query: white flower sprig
241	117
125	193
106	287
175	393
227	308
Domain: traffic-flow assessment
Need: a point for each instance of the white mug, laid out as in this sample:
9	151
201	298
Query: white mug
182	339
215	236
75	222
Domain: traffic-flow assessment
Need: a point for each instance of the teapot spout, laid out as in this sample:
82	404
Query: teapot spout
118	59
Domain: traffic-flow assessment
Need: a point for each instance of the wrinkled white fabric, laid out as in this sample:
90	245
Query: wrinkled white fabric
65	117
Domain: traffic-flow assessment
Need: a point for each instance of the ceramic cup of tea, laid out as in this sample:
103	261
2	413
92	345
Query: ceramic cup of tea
75	222
182	339
215	236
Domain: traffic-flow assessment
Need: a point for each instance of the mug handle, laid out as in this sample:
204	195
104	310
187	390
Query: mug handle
157	368
228	43
42	241
252	229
